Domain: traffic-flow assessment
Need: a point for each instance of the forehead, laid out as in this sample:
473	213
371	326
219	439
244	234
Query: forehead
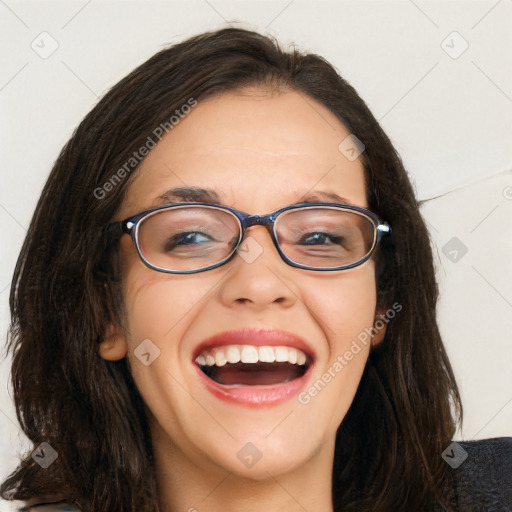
256	150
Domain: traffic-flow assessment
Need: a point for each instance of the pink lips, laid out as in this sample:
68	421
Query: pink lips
255	396
257	337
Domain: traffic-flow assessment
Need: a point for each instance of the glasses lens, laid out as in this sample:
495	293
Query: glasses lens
325	237
188	237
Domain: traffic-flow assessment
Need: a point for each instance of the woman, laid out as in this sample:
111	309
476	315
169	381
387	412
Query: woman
176	347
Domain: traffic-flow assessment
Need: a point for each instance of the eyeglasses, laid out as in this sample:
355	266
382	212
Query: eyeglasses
184	238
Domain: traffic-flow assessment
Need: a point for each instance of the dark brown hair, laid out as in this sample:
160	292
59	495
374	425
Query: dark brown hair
65	291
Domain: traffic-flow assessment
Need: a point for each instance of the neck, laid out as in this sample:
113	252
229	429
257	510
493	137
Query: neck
186	487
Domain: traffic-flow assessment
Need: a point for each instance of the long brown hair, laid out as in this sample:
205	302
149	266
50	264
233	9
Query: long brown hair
66	290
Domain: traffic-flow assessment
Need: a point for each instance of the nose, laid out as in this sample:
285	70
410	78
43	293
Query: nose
257	276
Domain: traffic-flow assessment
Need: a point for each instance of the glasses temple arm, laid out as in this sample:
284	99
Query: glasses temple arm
113	233
383	228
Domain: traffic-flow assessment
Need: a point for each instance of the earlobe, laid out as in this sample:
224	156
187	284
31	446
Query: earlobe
113	347
379	329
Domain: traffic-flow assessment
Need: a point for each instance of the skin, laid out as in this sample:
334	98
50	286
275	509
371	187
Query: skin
260	152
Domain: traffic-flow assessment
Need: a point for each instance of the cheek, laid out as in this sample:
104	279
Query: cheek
155	302
157	305
345	308
159	311
344	305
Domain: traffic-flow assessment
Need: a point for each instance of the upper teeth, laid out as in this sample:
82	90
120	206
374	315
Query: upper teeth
219	356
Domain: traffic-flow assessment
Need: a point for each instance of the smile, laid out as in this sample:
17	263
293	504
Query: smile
254	374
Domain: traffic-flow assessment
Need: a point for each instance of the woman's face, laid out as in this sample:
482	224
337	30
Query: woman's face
257	152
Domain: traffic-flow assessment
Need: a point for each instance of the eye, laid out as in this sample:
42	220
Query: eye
186	238
321	238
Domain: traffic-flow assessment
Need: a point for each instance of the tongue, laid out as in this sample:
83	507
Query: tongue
254	374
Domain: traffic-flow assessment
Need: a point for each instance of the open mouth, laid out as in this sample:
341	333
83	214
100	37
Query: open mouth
249	365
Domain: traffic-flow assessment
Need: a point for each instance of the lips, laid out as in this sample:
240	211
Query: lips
254	367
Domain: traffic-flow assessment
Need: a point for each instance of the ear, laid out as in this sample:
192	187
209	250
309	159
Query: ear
114	346
380	324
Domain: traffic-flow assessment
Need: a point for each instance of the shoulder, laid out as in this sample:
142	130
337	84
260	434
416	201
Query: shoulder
482	473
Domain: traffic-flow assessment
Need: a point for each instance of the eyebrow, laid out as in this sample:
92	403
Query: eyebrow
188	194
208	195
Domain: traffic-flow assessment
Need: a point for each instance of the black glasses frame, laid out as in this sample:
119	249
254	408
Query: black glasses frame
130	226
